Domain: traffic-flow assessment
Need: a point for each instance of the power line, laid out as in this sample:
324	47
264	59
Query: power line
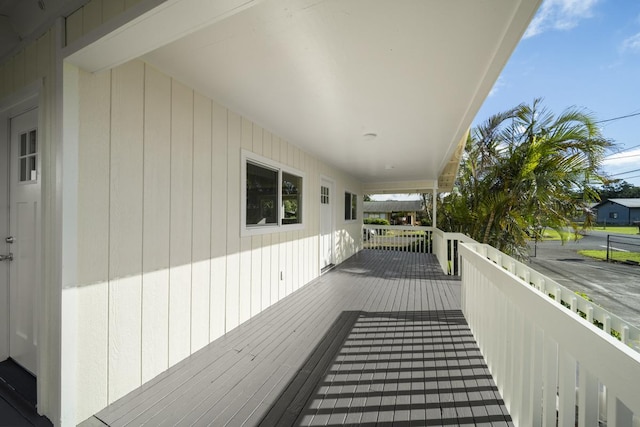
621	157
623	150
632	177
617	118
624	173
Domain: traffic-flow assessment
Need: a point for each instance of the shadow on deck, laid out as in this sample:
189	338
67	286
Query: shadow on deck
402	368
379	340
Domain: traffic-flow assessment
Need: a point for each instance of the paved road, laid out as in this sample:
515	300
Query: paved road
615	287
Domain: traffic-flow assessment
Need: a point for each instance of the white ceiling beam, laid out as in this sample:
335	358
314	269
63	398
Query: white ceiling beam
145	27
400	187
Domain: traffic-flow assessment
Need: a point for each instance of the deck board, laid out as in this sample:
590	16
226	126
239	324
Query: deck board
378	340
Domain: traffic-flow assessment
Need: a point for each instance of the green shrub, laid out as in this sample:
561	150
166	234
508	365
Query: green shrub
376	221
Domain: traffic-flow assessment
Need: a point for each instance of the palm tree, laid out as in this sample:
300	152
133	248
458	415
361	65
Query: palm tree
521	170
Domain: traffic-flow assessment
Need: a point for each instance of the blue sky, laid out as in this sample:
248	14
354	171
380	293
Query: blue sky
579	53
583	53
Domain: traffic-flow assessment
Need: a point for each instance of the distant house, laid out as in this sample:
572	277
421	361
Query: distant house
397	212
618	211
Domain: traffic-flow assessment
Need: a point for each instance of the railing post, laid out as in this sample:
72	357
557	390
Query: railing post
590	314
617	412
587	398
624	334
550	372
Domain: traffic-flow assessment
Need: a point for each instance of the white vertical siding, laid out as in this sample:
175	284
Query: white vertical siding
219	211
201	268
172	271
232	305
125	229
245	285
156	223
93	236
181	222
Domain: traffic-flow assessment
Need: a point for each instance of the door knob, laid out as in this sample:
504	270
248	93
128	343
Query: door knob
9	239
8	257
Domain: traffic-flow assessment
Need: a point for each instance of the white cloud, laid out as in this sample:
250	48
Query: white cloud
496	86
627	158
631	43
560	15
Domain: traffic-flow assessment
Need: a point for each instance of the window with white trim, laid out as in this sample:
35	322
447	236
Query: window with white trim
350	206
271	195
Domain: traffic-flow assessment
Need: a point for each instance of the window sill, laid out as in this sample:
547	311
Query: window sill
269	229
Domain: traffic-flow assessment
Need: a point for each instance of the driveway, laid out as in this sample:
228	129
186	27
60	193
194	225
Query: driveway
615	287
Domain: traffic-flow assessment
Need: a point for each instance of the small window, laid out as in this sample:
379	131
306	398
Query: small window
271	195
28	157
324	195
613	215
291	198
350	206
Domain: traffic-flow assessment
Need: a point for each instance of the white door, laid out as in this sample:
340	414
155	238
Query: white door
326	223
24	239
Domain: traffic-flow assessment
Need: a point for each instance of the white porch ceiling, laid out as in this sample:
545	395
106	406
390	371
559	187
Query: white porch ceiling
21	21
325	74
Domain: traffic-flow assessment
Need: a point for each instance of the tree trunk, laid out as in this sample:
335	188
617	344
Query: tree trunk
487	230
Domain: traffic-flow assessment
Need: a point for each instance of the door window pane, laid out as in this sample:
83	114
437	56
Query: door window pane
28	157
33	142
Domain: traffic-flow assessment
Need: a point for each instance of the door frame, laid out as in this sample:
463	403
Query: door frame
332	202
11	106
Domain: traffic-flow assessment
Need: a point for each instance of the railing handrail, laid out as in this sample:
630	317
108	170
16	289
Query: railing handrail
398	227
506	312
613	324
412	238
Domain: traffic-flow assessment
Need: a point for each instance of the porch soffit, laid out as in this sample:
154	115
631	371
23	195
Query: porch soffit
325	74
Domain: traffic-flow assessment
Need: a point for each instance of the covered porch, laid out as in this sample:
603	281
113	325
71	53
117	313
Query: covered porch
379	340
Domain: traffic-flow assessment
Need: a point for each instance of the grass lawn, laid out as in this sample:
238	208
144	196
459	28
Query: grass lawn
618	229
550	234
617	256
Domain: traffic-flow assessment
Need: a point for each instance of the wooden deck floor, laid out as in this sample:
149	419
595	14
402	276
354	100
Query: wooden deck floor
380	340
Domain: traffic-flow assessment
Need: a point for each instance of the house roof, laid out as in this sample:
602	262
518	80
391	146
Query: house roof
627	203
393	206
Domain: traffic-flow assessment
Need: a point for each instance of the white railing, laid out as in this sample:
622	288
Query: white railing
398	238
546	359
445	246
417	239
549	350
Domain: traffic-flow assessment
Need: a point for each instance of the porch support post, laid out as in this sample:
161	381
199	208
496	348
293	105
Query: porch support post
434	209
